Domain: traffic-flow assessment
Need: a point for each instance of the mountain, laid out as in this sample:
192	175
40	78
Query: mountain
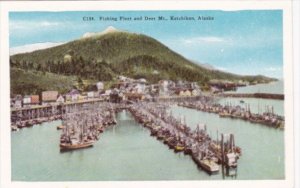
204	65
32	47
104	55
109	29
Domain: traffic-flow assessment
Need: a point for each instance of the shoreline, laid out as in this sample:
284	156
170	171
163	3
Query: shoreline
253	95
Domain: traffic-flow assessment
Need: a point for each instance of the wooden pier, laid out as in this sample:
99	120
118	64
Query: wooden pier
268	118
29	116
207	153
82	124
253	95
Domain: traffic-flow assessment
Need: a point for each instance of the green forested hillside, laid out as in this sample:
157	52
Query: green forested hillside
34	82
119	53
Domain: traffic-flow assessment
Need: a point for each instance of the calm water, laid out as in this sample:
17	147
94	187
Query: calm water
124	152
128	152
273	87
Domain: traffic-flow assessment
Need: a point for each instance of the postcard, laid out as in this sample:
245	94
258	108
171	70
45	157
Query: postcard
147	94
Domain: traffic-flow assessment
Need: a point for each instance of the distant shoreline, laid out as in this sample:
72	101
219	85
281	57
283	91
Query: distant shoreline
254	95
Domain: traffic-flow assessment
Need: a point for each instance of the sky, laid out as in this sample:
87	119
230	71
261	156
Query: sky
242	42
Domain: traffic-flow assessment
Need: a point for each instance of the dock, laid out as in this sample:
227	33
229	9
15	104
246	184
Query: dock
207	153
268	118
83	123
253	95
36	115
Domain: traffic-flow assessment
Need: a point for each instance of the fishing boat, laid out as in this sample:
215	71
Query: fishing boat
59	127
79	145
209	165
14	128
75	133
179	147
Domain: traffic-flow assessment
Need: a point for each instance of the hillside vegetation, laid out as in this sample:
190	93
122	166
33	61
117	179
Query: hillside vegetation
120	53
34	82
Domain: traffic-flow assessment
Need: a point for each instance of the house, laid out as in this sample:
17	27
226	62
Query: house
49	97
153	88
139	88
26	100
194	85
183	92
82	97
108	92
195	92
16	102
163	83
31	100
35	99
73	95
104	96
100	86
60	99
163	89
90	94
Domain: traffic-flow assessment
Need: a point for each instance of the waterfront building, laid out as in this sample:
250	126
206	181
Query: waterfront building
26	100
139	88
195	92
35	99
17	101
49	97
60	99
91	94
100	86
73	95
183	92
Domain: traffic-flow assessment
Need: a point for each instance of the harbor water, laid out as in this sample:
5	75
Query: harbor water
126	151
123	152
273	87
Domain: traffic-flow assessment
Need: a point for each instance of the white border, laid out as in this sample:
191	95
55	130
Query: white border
5	7
296	60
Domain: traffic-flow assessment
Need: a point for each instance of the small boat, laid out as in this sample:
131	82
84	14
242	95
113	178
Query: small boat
209	165
179	148
14	128
80	145
59	127
242	101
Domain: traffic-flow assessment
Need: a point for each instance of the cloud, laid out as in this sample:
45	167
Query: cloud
30	25
33	47
273	69
202	39
222	68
